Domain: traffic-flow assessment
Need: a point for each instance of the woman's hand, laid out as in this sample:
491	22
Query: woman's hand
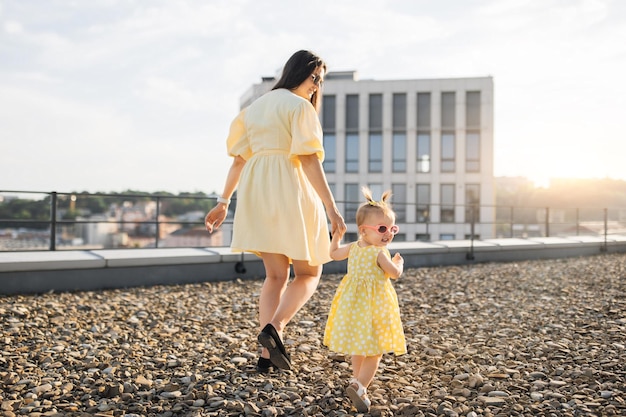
216	217
337	224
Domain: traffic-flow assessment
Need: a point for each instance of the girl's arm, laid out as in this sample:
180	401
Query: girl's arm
338	253
217	215
391	266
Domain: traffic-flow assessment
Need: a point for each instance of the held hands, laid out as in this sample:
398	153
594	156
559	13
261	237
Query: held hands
337	224
338	234
215	217
338	252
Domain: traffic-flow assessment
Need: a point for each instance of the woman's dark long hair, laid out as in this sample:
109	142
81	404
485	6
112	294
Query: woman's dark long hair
297	69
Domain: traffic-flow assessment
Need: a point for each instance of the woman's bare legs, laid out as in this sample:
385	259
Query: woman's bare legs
276	278
280	302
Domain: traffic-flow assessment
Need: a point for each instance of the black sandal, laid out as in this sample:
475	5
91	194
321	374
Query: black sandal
264	365
271	341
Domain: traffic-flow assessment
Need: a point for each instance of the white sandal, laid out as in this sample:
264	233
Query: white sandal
358	396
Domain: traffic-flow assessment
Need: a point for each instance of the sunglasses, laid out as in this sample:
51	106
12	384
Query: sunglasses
382	229
317	79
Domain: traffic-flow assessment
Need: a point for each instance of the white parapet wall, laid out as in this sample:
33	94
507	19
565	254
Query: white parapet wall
32	272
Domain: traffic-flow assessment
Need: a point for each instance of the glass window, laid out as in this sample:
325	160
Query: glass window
352	152
472	203
376	112
328	114
423	111
398	145
472	109
398	201
472	152
400	237
448	110
353	201
330	152
446	236
375	153
352	112
377	190
422	237
399	112
399	152
422	203
423	152
447	203
352	135
447	152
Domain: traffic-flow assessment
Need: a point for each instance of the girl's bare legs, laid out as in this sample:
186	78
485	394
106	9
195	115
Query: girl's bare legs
364	368
279	302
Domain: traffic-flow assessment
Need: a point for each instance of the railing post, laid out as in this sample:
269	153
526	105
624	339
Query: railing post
547	221
53	220
428	209
158	210
512	222
604	246
470	256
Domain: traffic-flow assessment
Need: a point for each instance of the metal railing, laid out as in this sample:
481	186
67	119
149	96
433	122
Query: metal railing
63	220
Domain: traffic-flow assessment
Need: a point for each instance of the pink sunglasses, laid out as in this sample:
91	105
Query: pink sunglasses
382	229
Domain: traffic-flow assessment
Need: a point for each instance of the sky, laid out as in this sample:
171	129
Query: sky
115	95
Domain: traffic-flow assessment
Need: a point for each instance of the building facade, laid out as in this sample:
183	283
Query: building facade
429	141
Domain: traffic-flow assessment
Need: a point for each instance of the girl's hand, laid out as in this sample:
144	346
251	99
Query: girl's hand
393	266
398	260
338	235
215	217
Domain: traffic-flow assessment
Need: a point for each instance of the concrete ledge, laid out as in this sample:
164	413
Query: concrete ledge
511	243
465	245
43	271
46	260
149	257
227	255
410	248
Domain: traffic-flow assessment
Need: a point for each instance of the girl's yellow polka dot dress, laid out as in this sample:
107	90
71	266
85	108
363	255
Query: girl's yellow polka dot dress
364	316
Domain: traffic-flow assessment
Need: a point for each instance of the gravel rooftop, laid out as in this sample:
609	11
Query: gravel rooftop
529	338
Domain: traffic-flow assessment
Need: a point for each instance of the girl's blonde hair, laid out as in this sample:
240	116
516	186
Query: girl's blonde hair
373	207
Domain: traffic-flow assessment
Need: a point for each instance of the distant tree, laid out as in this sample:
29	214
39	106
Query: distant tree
37	212
186	202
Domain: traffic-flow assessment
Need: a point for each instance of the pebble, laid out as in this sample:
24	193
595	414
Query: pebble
500	339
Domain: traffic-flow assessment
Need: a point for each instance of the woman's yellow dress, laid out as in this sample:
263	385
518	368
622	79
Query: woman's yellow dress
278	211
364	316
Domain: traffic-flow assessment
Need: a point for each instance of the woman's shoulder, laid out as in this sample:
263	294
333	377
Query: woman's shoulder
285	96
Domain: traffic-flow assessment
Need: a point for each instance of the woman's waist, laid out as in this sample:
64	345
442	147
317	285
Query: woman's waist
267	152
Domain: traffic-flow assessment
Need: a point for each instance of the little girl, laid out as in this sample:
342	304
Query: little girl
364	319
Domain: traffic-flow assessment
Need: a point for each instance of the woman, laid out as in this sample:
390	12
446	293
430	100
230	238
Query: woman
283	198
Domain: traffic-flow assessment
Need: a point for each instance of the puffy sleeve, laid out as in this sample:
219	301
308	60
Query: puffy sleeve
306	132
238	143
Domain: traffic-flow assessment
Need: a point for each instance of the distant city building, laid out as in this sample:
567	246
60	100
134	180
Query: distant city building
192	237
430	141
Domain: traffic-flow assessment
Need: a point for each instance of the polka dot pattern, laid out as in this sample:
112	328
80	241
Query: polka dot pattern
364	316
